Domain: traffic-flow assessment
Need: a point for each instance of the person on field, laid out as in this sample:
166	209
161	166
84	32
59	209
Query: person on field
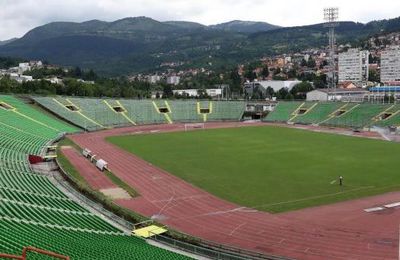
341	180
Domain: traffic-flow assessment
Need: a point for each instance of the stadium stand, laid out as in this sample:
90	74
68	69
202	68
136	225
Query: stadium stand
318	113
142	112
68	111
337	114
358	115
283	111
303	109
225	110
35	114
95	114
78	244
33	212
185	111
100	111
389	117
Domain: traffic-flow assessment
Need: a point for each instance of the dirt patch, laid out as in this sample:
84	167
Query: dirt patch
116	193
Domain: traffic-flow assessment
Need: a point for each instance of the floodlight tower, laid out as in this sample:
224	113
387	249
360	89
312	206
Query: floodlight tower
331	15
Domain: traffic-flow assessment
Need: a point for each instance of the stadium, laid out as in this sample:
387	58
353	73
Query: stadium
93	178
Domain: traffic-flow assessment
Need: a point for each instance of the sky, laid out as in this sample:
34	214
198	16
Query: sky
19	16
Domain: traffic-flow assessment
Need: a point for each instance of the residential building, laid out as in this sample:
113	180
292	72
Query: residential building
350	94
353	66
217	92
390	65
276	85
55	80
347	84
23	67
20	78
152	79
173	80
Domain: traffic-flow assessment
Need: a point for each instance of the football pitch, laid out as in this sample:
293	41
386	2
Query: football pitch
273	169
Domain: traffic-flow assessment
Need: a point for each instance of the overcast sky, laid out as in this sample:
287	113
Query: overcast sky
19	16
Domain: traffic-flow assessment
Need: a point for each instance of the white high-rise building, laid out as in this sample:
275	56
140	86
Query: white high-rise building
353	66
390	65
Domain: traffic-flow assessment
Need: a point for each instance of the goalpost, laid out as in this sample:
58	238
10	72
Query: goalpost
194	126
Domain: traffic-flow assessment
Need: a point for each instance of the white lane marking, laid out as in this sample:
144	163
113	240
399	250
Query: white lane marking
392	205
374	209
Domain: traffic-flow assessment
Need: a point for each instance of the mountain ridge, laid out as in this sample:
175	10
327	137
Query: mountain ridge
140	44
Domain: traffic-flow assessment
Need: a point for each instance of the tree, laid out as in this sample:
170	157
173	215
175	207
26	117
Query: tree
300	90
7	84
250	74
373	76
292	73
258	93
235	80
265	72
76	72
311	63
282	93
90	75
270	92
167	91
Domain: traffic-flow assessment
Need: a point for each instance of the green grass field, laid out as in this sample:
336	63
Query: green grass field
272	168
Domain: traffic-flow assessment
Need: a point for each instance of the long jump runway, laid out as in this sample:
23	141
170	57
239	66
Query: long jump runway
338	231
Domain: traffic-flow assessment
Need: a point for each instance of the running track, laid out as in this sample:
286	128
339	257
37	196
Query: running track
338	231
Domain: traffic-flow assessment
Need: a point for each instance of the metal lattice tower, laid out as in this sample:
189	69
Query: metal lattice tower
331	15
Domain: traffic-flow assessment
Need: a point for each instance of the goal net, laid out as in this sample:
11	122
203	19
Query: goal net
194	126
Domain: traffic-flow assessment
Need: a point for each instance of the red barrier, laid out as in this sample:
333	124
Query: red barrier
33	159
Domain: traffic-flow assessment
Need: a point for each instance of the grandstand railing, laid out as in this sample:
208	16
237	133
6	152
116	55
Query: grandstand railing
212	250
26	249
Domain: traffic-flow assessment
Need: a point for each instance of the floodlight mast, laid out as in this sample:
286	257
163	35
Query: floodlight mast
331	15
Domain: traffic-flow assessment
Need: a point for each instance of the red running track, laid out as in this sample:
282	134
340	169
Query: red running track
338	231
94	177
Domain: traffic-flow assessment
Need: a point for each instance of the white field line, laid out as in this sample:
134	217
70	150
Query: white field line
374	209
313	197
252	209
236	228
392	205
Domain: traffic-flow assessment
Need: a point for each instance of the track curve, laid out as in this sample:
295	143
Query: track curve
338	231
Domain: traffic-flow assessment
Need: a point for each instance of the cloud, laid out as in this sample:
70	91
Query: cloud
19	16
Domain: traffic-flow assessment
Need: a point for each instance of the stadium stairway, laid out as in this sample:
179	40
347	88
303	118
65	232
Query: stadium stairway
162	107
304	109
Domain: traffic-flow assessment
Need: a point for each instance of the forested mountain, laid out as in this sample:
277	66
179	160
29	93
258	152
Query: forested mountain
141	44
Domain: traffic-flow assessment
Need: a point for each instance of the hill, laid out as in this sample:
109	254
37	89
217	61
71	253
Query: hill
7	41
245	26
139	44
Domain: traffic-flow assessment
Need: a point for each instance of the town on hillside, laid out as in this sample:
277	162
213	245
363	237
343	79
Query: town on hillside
368	72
